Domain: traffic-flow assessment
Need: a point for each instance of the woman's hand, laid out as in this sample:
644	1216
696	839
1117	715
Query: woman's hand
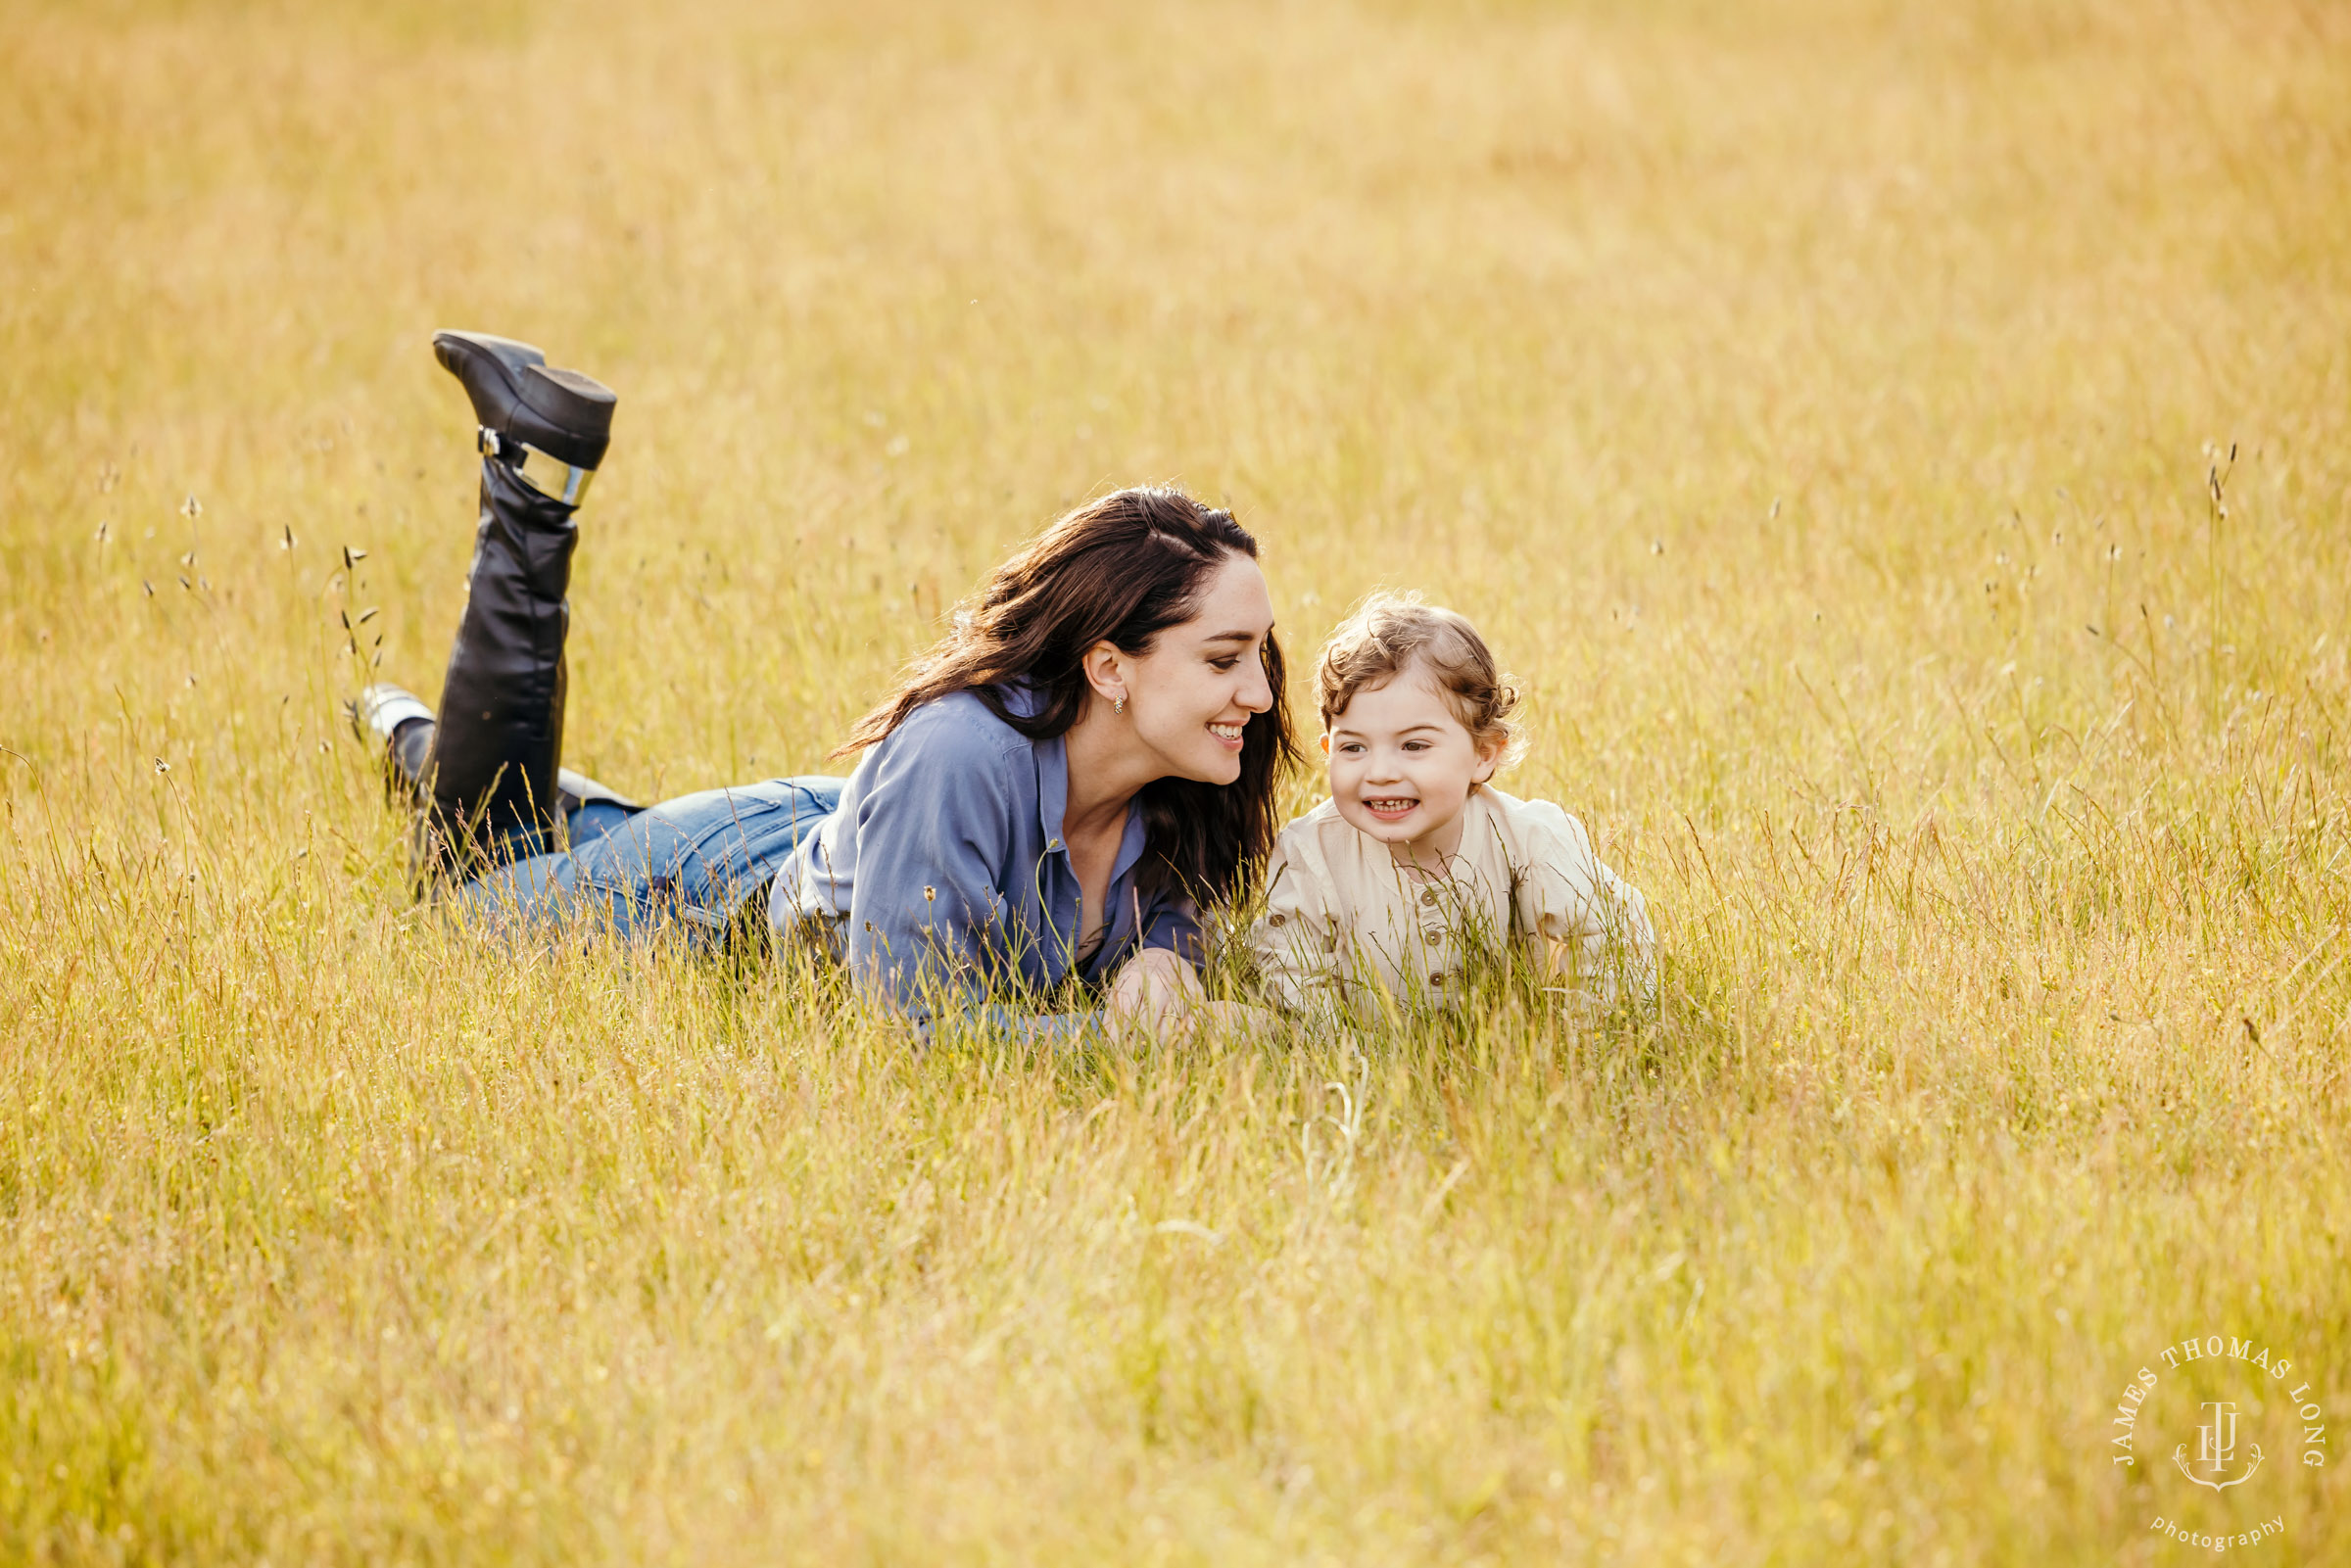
1161	995
1155	990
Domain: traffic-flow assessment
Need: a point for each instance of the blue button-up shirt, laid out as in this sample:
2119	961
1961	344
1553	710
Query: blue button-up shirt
944	882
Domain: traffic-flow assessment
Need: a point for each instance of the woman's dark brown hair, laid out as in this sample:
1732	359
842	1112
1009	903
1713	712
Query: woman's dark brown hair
1118	570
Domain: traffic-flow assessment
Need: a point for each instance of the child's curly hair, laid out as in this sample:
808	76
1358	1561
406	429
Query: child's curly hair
1391	631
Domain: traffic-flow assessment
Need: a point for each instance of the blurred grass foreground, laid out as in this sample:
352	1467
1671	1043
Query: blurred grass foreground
1905	450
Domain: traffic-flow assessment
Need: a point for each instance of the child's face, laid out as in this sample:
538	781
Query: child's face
1401	765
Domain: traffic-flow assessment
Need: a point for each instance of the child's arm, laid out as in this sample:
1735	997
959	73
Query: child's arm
1593	923
1288	938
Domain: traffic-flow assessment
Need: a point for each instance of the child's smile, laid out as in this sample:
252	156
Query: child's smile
1402	766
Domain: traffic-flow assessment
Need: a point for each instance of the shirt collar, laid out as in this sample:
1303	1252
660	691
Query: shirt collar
1131	843
1053	790
1022	701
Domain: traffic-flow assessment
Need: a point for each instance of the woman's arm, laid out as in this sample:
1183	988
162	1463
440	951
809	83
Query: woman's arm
932	824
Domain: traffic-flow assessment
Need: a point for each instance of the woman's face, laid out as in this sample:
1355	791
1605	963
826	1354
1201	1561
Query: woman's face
1190	696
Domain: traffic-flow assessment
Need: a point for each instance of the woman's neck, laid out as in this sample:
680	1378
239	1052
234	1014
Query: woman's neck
1107	769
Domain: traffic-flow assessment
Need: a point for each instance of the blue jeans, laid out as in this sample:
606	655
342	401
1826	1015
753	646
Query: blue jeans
686	867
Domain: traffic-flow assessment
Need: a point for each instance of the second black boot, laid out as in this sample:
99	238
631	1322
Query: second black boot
498	743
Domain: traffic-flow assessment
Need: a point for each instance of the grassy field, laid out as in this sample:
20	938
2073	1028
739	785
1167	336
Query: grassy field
1905	451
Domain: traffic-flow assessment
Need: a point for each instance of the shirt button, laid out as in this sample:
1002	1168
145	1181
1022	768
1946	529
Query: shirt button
1428	896
1276	920
1432	936
1437	979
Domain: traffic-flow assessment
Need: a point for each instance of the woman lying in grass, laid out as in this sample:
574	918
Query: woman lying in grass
1416	867
1049	798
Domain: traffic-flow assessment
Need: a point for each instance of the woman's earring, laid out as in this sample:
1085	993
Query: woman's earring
1118	707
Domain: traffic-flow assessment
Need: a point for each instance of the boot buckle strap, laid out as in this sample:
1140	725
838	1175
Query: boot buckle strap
544	472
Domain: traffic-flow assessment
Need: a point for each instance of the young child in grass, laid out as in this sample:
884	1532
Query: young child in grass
1416	867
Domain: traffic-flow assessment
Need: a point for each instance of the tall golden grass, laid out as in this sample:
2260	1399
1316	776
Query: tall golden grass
1903	448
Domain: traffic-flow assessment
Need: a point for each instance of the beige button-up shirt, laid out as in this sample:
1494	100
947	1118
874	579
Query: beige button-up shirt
1340	913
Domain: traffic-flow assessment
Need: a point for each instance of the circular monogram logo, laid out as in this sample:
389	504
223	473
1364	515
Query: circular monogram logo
2216	1429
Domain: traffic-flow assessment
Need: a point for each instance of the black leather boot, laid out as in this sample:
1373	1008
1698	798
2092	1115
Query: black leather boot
498	741
400	727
